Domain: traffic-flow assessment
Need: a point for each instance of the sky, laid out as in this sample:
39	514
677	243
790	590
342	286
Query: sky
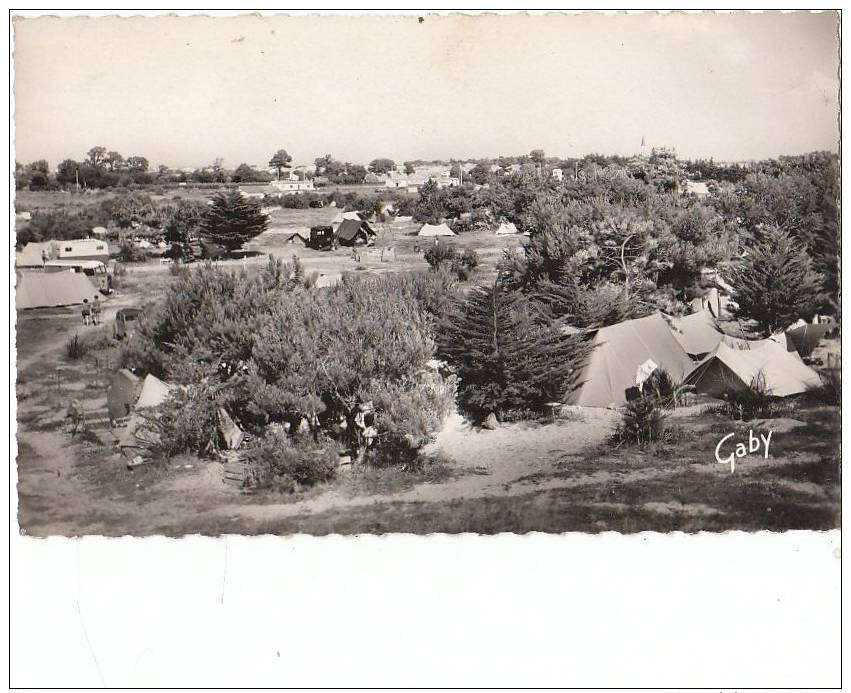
184	91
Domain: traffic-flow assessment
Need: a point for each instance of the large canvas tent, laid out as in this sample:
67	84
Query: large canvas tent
619	351
40	290
436	230
784	372
33	254
697	333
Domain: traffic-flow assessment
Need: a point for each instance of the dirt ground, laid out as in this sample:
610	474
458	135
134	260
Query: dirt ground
558	476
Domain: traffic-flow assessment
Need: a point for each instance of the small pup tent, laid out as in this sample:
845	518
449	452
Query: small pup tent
122	393
40	290
783	371
302	235
344	216
134	439
696	333
805	338
436	230
506	229
154	392
354	232
618	353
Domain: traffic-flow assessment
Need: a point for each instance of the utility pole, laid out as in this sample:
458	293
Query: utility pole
77	176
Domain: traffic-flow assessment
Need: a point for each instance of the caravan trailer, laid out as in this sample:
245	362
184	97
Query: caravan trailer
93	269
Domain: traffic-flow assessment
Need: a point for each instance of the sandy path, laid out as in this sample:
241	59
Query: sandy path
499	458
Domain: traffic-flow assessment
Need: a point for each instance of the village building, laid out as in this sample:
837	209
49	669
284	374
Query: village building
276	188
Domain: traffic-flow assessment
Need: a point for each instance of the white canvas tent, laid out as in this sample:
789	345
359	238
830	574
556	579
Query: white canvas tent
342	216
135	436
33	254
39	290
436	230
783	371
619	351
154	392
506	229
697	333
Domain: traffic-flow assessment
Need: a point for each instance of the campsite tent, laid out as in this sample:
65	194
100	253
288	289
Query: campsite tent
806	337
436	230
619	350
302	235
154	391
784	372
352	231
33	254
137	435
122	393
506	229
343	216
697	333
402	220
38	290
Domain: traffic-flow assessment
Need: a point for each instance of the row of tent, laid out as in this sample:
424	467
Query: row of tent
504	229
692	351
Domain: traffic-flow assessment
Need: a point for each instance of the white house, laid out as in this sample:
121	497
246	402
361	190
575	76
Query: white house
558	174
276	188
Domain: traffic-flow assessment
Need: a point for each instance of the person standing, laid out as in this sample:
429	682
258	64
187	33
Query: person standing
96	311
86	311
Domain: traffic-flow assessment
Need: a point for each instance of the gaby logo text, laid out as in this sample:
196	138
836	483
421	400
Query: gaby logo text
754	444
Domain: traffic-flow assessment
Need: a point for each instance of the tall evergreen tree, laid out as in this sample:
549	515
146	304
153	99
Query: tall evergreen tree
776	283
232	220
506	363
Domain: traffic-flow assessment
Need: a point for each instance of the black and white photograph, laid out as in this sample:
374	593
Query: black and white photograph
418	274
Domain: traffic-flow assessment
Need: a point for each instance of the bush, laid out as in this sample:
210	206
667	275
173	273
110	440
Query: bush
754	402
185	422
131	253
271	351
76	348
642	422
283	463
326	354
830	390
435	255
665	389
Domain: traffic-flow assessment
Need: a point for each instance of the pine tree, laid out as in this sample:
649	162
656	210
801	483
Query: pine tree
506	362
232	220
776	283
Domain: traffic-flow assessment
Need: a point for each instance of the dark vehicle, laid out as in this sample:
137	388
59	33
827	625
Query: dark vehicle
321	238
124	322
316	204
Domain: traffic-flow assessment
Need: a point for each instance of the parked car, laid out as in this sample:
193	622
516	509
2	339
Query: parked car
125	322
